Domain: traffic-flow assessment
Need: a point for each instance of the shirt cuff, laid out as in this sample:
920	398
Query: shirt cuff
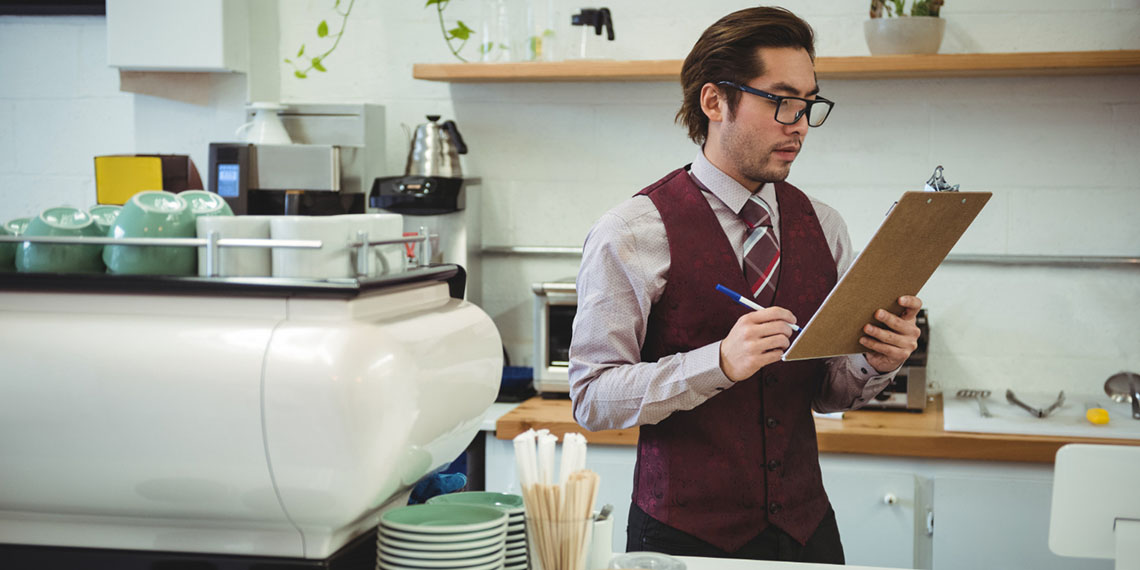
873	380
862	370
702	367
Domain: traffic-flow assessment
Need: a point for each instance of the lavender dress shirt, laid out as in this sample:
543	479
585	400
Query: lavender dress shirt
625	262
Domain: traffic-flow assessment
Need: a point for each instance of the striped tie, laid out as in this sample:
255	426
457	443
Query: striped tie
761	250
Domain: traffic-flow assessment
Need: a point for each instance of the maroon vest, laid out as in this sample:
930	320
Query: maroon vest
747	457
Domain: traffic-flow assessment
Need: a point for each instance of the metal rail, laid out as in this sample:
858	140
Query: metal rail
212	242
1027	260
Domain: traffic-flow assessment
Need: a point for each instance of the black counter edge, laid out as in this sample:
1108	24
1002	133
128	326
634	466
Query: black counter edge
454	275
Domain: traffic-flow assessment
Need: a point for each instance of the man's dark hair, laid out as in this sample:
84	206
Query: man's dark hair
727	51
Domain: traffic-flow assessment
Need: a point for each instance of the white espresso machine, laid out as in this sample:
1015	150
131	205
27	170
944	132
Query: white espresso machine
228	422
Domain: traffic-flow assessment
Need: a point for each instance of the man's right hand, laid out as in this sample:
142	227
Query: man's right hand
756	340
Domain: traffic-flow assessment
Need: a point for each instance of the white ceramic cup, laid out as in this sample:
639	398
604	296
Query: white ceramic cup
383	259
601	543
332	261
236	261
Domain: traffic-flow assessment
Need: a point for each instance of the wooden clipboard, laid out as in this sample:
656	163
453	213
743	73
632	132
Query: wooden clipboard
910	244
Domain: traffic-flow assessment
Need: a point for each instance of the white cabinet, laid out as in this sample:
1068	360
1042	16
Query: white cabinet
998	522
178	35
881	515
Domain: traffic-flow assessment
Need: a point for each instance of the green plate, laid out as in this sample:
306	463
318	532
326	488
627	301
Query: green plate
437	519
505	501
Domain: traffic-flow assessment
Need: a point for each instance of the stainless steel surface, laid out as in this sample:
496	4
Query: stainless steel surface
435	150
362	253
308	167
213	260
980	396
292	202
425	246
1036	412
1042	260
169	242
1046	260
416	239
1125	387
358	129
605	512
212	242
554	302
532	250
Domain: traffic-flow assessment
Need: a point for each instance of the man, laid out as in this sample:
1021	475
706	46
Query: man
727	459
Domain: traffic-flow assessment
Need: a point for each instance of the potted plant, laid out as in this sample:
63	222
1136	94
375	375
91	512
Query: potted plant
893	30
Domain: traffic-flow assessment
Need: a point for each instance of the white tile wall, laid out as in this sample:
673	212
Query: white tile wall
1060	154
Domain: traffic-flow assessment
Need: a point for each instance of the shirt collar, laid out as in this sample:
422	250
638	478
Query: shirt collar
727	190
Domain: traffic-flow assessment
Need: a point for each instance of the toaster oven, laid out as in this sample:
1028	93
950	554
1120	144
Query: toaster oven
555	304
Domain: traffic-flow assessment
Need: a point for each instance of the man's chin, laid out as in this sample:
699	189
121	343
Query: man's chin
773	174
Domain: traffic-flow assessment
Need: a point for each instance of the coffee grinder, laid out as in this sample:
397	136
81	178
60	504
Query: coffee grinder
338	148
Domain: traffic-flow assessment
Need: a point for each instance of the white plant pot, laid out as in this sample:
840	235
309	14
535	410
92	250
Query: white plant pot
904	35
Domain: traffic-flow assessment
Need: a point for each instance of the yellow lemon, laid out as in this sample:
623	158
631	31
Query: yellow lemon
1098	416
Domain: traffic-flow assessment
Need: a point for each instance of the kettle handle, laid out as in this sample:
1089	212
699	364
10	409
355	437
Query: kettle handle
454	131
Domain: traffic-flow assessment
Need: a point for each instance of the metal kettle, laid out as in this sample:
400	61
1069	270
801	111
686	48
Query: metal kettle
435	150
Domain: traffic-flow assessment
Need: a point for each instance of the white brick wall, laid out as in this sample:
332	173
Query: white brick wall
1059	153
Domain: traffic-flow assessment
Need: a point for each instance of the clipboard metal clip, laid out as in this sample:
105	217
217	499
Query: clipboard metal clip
938	184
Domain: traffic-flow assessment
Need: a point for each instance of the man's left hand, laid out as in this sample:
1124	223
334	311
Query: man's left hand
890	347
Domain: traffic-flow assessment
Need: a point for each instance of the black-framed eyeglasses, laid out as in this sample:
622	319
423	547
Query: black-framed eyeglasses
790	109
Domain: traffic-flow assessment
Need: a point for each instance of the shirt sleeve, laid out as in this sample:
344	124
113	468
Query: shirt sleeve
617	285
851	381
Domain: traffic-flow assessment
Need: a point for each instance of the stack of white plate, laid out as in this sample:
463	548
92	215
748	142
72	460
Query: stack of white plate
516	547
442	537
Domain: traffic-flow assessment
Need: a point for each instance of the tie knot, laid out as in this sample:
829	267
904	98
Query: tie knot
756	212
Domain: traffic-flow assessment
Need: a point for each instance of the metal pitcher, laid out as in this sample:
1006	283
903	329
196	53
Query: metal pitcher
435	150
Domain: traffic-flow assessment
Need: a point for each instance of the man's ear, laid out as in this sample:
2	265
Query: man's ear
713	103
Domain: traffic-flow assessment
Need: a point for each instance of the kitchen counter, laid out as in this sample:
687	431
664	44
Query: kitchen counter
872	432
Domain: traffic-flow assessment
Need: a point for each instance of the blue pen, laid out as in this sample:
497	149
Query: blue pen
746	301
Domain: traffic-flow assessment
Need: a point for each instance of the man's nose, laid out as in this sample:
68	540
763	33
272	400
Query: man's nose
799	127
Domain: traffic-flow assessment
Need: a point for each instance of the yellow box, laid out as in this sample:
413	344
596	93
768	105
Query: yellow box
117	178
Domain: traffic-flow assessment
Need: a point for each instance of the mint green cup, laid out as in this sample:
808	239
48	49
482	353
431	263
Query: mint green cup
18	225
203	203
7	252
63	221
152	214
104	215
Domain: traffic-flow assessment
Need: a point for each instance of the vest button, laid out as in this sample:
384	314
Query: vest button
775	508
773	465
772	422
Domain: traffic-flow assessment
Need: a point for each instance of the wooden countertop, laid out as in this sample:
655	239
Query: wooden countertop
873	432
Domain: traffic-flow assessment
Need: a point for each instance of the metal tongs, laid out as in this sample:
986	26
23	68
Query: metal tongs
1040	413
937	182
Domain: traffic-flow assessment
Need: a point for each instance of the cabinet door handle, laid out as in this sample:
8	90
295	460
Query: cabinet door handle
890	499
929	523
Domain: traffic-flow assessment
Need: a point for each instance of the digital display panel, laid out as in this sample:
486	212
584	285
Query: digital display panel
228	180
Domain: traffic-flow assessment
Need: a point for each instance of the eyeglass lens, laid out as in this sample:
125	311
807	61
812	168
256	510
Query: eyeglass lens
790	110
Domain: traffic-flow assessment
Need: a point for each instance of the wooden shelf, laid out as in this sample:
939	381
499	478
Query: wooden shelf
867	67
